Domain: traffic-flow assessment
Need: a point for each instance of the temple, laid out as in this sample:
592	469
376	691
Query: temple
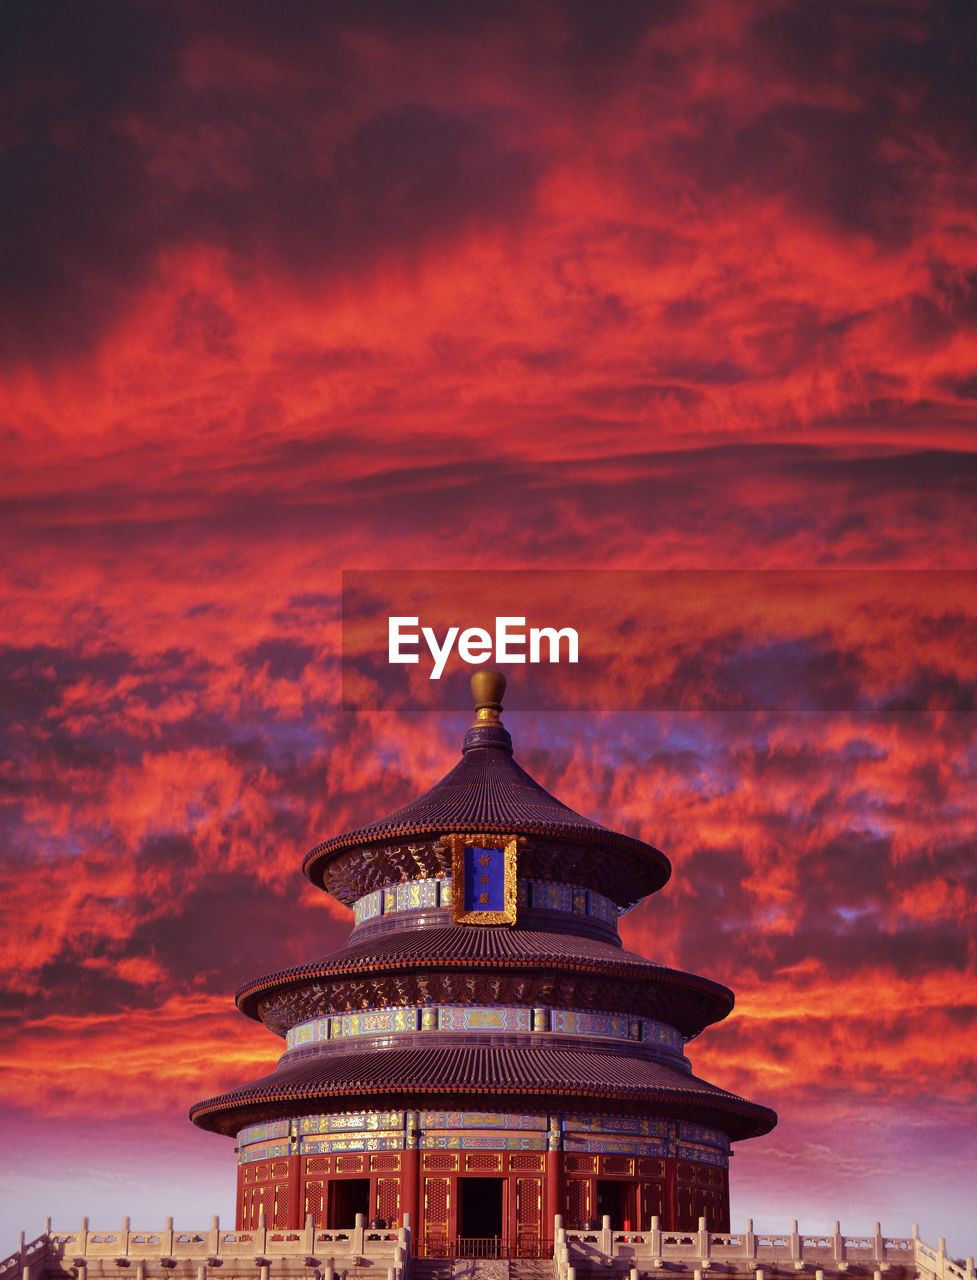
484	1054
483	1078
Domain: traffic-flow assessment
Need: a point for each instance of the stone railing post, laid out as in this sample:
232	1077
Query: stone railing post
201	1271
83	1236
124	1237
838	1243
704	1241
795	1242
916	1243
166	1241
214	1236
141	1271
309	1245
359	1234
941	1250
560	1258
879	1243
749	1241
558	1246
606	1238
259	1241
655	1236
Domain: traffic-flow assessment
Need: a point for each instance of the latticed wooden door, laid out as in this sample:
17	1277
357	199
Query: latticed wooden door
314	1202
437	1215
687	1220
529	1213
388	1200
578	1201
652	1203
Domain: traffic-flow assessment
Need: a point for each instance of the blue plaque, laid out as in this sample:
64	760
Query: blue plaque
484	879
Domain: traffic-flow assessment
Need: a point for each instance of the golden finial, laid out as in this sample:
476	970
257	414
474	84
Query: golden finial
487	690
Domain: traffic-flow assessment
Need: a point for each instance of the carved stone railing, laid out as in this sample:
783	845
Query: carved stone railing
29	1261
749	1252
314	1252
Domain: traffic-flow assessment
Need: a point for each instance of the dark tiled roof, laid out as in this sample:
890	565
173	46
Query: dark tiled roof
488	791
491	948
527	1076
493	942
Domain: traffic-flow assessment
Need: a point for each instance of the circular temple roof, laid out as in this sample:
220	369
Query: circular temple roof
462	1076
487	791
387	967
436	963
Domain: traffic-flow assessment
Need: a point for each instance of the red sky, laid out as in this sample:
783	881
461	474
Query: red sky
301	288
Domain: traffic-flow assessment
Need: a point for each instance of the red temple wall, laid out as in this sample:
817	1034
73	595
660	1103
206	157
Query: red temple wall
535	1186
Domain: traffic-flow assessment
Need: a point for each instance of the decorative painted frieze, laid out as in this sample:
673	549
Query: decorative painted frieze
636	1135
536	895
394	1021
483	1018
352	1142
482	1142
647	1126
373	1120
263	1152
699	1133
483	1120
264	1132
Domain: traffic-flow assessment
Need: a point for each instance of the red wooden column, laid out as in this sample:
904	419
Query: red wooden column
295	1216
553	1188
239	1223
410	1175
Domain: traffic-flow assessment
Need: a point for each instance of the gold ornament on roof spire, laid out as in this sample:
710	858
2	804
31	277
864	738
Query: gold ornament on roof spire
488	688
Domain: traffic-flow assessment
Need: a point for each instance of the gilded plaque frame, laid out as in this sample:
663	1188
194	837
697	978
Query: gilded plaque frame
508	844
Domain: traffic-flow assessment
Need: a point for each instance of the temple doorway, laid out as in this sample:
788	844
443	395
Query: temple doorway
616	1199
480	1208
347	1198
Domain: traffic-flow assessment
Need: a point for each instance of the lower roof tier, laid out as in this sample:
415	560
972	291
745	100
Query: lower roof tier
464	1076
491	964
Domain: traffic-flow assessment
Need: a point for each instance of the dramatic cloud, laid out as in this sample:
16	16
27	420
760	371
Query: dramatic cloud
680	287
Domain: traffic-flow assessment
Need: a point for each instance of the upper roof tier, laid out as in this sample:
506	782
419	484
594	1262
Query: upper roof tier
486	791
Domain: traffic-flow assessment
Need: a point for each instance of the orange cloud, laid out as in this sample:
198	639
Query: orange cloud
634	287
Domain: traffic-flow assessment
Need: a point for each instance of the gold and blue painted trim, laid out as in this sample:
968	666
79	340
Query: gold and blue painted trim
397	1021
636	1135
436	894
